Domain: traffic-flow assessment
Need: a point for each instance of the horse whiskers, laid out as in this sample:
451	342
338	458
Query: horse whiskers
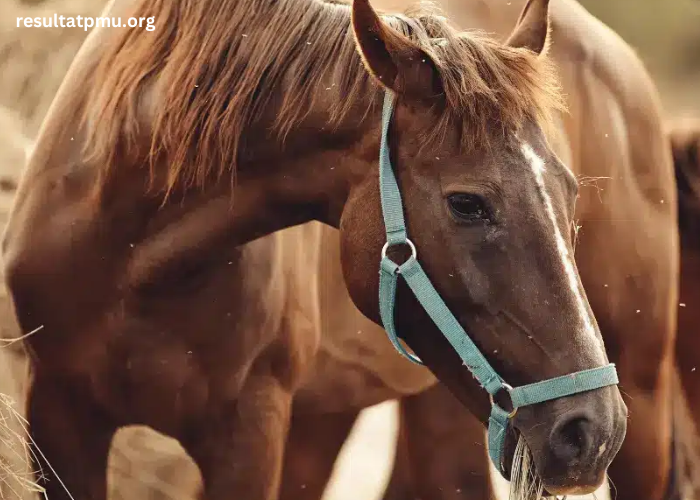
590	181
525	484
611	486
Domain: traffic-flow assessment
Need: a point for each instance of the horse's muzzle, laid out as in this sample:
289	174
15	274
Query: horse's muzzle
574	440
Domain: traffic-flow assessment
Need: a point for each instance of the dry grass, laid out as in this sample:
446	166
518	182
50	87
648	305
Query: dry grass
525	484
17	478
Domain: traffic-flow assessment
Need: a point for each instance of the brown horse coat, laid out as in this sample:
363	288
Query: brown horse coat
184	374
627	252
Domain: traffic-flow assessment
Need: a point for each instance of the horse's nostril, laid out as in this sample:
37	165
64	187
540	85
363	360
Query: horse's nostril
571	438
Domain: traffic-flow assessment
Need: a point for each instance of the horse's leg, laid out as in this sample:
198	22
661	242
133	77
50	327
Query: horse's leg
312	448
238	447
441	452
73	436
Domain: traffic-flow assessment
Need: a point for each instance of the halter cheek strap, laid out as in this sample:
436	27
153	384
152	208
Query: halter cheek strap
430	300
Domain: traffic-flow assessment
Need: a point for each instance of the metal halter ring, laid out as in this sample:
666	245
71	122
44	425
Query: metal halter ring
508	388
414	252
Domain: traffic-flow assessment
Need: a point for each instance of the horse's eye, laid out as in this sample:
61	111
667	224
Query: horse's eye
469	207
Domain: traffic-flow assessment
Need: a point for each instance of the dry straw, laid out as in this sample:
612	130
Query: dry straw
17	479
525	484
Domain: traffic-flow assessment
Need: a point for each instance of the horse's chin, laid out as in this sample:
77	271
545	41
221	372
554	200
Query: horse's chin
579	490
552	491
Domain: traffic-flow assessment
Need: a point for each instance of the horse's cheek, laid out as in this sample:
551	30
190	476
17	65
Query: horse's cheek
361	239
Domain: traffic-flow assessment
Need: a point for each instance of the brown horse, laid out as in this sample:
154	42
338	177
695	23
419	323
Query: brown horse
684	136
626	252
164	152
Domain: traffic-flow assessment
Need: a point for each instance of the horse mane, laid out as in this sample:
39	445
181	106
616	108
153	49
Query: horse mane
220	63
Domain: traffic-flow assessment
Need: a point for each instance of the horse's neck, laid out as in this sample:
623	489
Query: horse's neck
272	192
311	187
306	178
277	183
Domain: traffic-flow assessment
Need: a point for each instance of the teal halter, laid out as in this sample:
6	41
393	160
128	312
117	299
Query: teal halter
473	359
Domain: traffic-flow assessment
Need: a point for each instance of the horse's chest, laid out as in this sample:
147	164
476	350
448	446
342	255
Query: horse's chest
153	384
357	367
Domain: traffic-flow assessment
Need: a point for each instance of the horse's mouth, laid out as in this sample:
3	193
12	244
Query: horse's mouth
577	490
522	469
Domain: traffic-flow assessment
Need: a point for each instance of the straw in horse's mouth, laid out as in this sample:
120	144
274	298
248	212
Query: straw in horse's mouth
525	484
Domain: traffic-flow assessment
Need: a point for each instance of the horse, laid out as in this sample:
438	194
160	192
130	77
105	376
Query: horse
614	140
684	138
164	152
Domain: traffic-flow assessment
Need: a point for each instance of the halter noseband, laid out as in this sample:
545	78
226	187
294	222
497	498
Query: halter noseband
430	300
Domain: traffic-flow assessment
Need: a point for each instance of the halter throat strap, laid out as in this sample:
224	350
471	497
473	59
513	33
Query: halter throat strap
430	300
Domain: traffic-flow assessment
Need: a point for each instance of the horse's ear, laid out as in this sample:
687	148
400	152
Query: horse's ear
391	57
532	29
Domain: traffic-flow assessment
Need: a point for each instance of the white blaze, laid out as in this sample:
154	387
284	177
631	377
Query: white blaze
538	167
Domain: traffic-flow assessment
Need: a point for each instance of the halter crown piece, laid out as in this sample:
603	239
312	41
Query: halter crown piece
430	300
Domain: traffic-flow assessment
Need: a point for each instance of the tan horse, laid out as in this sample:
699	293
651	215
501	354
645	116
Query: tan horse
626	251
166	151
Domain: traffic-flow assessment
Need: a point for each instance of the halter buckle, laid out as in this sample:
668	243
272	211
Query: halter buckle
414	252
507	388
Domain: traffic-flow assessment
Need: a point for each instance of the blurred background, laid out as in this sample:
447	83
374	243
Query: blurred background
665	34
